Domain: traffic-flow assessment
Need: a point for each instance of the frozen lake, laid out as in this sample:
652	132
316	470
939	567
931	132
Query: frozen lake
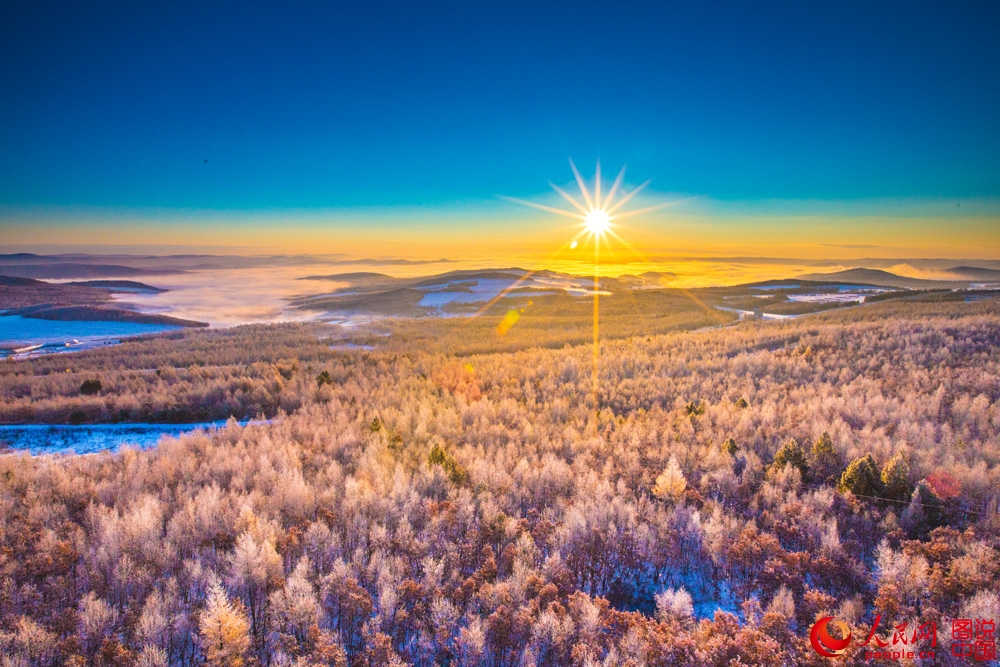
24	330
87	438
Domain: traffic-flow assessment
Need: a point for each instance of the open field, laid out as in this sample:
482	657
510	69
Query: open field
429	501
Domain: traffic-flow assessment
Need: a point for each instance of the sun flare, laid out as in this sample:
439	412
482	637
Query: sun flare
597	221
598	211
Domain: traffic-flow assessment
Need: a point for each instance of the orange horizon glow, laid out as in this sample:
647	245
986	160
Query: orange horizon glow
700	243
659	233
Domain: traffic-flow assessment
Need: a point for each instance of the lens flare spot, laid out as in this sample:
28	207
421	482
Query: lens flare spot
508	321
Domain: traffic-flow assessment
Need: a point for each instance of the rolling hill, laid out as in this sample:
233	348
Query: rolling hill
975	273
76	270
882	279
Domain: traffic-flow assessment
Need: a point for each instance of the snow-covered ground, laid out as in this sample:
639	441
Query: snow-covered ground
481	290
348	346
828	297
844	294
871	289
471	291
351	321
839	287
750	313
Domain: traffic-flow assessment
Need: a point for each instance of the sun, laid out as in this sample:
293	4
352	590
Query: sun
599	212
597	221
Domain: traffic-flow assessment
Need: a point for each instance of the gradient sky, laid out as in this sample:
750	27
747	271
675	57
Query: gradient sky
863	129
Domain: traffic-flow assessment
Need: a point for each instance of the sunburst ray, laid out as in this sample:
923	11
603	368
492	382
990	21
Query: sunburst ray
609	200
649	209
568	197
624	200
597	185
640	211
581	184
543	207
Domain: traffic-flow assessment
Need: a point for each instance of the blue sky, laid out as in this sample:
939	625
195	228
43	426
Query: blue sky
402	106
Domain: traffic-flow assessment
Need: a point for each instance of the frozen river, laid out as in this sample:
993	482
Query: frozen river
66	336
18	329
87	438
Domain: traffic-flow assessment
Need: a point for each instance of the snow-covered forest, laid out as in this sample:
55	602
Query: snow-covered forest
433	505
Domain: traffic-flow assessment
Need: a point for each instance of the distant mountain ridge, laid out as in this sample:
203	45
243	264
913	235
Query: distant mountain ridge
17	281
76	270
350	276
880	278
974	273
112	285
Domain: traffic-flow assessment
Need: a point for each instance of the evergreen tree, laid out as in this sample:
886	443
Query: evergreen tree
790	454
824	460
861	477
896	478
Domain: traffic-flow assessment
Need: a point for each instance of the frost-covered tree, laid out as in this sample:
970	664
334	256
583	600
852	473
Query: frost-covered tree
670	484
225	636
674	603
329	535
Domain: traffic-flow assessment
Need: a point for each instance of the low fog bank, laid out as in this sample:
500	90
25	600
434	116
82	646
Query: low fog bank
226	290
